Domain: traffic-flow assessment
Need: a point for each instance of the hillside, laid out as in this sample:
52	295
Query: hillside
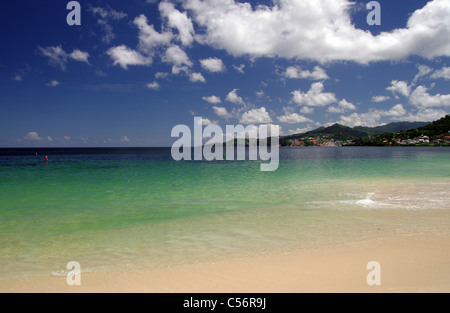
338	132
432	134
391	128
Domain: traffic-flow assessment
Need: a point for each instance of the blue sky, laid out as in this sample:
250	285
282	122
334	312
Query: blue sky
134	69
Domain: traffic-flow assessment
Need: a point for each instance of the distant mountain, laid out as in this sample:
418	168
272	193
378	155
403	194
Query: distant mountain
336	130
437	133
341	132
391	128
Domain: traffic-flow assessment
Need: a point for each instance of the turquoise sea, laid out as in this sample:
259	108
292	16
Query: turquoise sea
132	208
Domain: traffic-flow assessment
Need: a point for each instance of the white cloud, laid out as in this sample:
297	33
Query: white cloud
378	99
233	97
315	96
442	73
161	75
107	13
17	77
296	72
320	30
301	130
212	99
206	121
422	99
396	111
306	110
221	112
424	70
293	118
33	136
125	139
53	83
100	73
176	56
256	116
67	138
260	94
197	77
124	57
399	87
80	56
57	57
423	115
105	16
49	138
342	107
239	68
149	38
178	20
213	65
372	117
154	85
177	69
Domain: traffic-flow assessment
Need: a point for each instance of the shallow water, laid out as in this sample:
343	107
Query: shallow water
133	208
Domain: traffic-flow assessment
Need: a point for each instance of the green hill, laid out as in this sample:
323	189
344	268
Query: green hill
343	133
436	132
391	127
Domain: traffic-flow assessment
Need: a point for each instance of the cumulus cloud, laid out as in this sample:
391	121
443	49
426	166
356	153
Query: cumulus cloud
422	115
154	85
33	136
105	17
424	70
399	87
197	77
315	96
221	112
342	107
161	75
317	30
442	73
107	13
213	65
293	118
124	56
212	99
176	56
57	57
373	117
239	68
306	110
233	97
149	38
296	72
256	116
179	21
53	83
301	130
205	122
80	56
422	99
378	99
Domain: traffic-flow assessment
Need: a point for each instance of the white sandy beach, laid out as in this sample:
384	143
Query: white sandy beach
408	264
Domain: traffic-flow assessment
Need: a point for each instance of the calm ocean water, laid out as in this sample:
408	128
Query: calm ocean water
137	208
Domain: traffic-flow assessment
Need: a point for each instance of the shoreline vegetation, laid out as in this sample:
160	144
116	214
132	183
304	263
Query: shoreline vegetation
436	133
